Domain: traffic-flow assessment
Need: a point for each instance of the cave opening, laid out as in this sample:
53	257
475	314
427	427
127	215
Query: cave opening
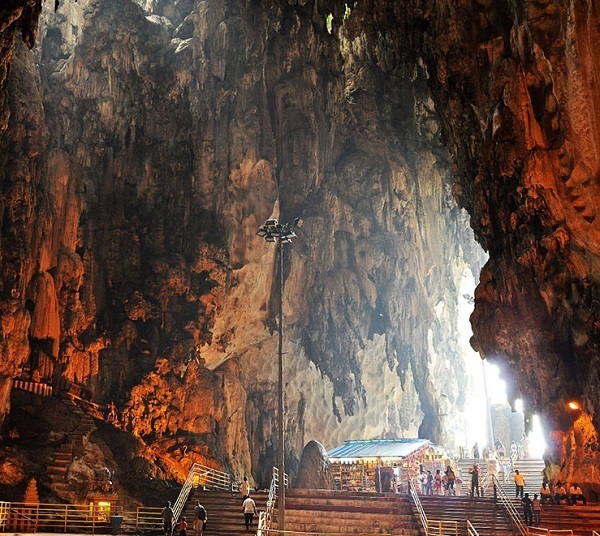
488	404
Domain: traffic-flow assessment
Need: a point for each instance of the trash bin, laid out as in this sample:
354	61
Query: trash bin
115	522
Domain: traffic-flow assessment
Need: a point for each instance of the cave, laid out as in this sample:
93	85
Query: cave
442	158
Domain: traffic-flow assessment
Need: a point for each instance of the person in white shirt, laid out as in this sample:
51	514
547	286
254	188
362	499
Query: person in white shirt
560	493
546	494
249	508
575	494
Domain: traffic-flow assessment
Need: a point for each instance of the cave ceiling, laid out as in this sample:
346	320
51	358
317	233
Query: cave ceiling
143	143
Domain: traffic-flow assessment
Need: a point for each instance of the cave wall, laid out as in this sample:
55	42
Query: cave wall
515	88
146	144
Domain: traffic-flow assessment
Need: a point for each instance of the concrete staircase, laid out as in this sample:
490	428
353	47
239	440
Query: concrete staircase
224	511
73	445
350	513
487	518
580	519
531	468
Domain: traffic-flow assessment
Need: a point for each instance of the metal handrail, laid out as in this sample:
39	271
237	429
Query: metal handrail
273	532
418	505
271	502
509	507
4	509
471	529
76	518
538	531
441	528
265	518
200	475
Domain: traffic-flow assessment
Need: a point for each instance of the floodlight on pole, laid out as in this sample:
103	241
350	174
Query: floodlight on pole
282	233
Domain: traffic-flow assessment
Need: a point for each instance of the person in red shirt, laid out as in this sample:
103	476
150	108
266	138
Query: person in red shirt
182	527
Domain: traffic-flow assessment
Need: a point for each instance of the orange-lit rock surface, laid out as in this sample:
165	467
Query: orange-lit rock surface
516	93
141	150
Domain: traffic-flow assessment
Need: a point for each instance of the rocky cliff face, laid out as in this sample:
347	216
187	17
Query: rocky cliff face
515	88
148	141
165	135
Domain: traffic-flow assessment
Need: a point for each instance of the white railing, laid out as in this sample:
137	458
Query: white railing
432	527
471	529
537	531
418	505
510	508
203	476
265	519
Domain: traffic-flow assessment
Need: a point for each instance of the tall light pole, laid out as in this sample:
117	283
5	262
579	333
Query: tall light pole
282	233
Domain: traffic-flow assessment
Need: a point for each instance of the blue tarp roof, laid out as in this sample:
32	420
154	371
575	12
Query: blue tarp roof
379	448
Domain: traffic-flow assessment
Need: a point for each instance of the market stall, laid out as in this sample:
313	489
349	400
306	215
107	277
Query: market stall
383	464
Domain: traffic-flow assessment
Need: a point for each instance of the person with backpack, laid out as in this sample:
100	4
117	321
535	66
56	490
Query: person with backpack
527	509
200	518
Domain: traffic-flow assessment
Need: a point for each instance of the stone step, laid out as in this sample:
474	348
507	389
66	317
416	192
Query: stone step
63	456
314	511
57	470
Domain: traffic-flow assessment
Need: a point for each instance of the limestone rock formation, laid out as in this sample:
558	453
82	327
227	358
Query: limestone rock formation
314	471
514	87
143	143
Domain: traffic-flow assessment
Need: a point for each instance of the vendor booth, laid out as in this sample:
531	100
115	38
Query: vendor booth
384	464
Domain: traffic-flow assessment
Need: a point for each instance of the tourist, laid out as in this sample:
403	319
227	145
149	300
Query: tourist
560	493
182	527
475	480
527	510
167	517
500	449
438	482
519	480
536	506
546	494
476	452
429	484
245	487
200	518
450	480
575	494
514	450
249	508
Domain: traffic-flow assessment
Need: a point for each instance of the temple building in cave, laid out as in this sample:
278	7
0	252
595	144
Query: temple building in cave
443	159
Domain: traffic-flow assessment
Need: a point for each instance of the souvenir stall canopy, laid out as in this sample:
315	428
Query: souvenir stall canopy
384	464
